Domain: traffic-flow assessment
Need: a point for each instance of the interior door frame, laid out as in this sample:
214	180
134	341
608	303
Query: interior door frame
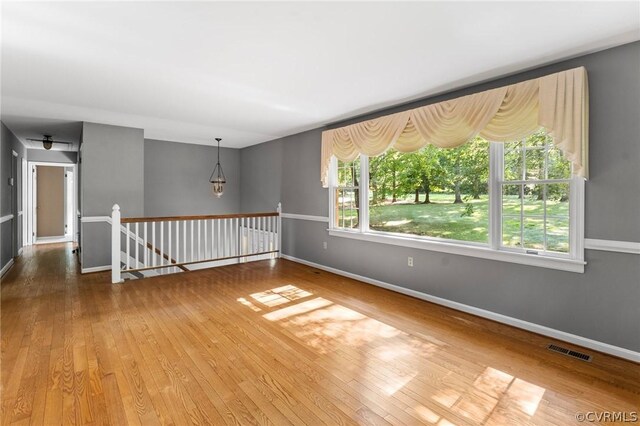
15	159
32	193
25	200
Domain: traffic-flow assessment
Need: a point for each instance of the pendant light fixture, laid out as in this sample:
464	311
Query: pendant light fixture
217	178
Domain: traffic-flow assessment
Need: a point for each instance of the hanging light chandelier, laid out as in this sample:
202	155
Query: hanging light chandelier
217	178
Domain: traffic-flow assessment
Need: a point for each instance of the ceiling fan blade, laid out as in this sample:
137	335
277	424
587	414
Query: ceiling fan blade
67	143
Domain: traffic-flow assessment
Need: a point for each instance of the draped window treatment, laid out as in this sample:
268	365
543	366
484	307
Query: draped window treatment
556	102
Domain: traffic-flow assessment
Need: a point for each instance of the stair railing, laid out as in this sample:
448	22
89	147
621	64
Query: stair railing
150	243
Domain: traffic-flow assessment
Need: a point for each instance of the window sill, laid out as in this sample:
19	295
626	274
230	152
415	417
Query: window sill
562	264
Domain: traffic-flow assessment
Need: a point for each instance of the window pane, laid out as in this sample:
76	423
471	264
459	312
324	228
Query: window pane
538	139
511	199
533	233
347	212
557	166
533	200
434	192
349	173
511	231
558	200
513	161
535	163
558	235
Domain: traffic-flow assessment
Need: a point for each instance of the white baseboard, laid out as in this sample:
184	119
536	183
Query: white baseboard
95	269
518	323
51	240
6	267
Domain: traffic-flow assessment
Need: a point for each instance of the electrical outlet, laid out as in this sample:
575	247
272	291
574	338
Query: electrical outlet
410	261
324	245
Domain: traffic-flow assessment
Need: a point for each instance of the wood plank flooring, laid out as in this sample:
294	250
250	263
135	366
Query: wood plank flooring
274	343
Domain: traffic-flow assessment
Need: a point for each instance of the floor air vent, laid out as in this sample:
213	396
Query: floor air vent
569	352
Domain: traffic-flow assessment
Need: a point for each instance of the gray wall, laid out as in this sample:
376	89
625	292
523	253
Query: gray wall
52	156
9	142
112	172
601	304
176	179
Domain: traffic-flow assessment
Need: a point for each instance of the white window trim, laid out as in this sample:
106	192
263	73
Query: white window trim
573	262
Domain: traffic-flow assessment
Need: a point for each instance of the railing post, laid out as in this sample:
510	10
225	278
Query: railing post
279	230
115	245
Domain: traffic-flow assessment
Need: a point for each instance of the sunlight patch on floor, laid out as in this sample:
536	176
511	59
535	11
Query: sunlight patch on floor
248	304
426	414
526	396
330	327
335	325
280	295
297	309
487	391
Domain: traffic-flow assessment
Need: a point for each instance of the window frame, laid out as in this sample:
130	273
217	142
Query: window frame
493	249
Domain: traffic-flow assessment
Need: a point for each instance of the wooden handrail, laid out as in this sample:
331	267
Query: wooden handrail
198	217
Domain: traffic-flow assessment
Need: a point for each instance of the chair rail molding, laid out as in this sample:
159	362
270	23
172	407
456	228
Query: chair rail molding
6	218
305	217
612	245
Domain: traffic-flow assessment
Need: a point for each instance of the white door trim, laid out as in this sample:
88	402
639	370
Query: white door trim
32	193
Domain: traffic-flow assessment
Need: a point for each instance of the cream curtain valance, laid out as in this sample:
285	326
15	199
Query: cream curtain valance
556	102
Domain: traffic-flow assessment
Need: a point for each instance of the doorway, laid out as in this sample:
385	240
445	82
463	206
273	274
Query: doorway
52	202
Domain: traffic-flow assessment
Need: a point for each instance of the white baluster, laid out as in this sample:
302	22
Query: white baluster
254	235
225	241
191	241
213	240
269	231
137	246
199	257
153	244
144	245
184	241
206	246
161	243
169	231
236	227
240	236
218	239
178	241
126	239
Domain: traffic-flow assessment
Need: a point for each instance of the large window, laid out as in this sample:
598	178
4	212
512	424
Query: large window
440	193
516	199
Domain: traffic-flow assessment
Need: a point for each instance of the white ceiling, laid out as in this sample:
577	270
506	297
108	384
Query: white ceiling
251	72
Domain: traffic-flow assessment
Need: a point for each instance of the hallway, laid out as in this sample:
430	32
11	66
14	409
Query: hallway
273	342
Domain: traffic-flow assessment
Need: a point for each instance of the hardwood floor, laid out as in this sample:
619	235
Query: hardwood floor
274	342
